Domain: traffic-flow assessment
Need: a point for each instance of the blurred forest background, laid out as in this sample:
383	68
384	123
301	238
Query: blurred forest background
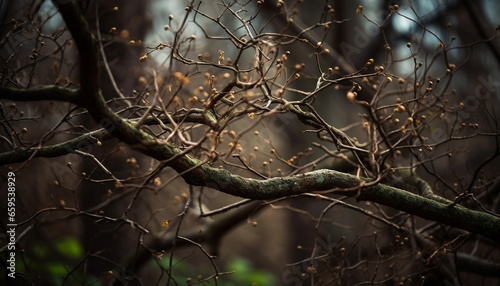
103	213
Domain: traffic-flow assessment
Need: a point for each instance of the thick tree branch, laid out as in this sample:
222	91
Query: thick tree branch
196	173
477	265
22	154
49	92
456	216
212	234
91	96
61	149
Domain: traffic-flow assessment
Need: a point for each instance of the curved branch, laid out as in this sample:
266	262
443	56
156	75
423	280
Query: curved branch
456	216
22	154
197	173
477	265
91	96
212	234
56	150
49	92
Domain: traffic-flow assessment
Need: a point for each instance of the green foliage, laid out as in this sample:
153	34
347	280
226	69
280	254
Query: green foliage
70	248
246	274
238	271
53	261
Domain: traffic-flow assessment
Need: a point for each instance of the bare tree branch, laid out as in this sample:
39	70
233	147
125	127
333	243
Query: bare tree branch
41	93
224	181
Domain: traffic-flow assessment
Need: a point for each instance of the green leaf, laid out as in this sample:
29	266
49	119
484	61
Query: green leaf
56	269
246	274
69	247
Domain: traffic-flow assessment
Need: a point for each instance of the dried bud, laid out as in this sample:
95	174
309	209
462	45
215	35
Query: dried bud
351	96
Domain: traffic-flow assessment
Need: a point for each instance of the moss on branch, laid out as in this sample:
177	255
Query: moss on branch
456	216
196	173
